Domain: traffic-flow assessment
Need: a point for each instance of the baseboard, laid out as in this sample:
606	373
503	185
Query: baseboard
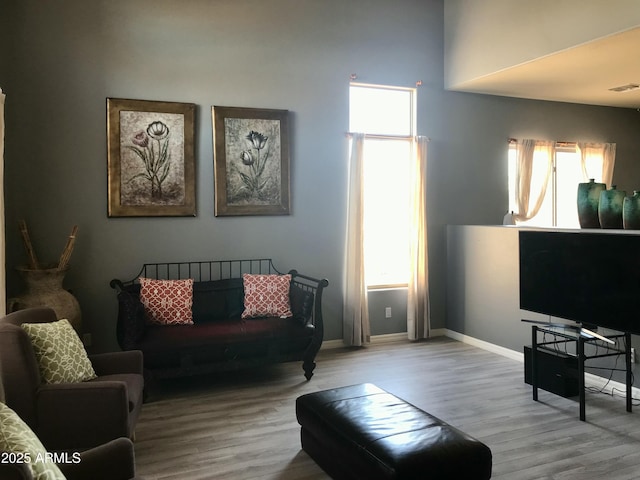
607	386
505	352
330	344
379	339
590	379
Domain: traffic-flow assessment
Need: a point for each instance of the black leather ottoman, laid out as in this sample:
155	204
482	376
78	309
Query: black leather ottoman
363	432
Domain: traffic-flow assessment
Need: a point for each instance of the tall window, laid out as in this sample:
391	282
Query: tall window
387	116
559	206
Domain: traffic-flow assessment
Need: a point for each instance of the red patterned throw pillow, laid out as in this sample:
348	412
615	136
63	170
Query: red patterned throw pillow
167	302
266	296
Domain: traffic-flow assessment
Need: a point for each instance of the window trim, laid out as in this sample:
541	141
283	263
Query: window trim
412	109
412	91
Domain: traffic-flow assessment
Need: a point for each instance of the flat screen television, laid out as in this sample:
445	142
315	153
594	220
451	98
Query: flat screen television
589	277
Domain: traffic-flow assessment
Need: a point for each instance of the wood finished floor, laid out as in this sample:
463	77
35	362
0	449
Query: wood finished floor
242	425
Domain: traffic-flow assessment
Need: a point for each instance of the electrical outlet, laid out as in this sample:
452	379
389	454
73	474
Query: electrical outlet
86	339
387	312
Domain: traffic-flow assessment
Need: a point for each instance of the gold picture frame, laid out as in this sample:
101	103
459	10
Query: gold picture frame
151	158
251	161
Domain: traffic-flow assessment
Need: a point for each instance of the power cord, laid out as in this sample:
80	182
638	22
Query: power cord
622	394
614	392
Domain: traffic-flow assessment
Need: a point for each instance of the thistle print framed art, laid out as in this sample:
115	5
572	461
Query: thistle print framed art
251	161
151	158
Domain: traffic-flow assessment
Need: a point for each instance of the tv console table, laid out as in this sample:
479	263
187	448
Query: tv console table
567	334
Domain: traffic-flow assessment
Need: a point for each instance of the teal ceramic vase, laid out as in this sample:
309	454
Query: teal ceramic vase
588	201
631	211
610	208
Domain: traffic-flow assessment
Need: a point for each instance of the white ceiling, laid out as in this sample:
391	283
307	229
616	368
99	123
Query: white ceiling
581	74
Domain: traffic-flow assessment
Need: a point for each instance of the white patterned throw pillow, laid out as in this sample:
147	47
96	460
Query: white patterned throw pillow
266	295
60	353
167	302
20	445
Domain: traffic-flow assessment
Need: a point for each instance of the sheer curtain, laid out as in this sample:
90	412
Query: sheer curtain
604	151
3	289
356	330
418	311
526	151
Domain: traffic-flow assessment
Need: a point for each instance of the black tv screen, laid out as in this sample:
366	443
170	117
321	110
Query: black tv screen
589	277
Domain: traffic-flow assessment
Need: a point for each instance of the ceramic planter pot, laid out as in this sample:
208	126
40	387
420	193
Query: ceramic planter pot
631	211
610	208
588	201
44	289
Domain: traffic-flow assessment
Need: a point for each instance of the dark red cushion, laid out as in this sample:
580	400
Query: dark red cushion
172	338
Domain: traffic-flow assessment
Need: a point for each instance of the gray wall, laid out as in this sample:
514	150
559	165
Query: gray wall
64	58
483	292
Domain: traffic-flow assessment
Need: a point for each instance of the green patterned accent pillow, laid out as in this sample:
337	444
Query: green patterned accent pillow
60	353
20	445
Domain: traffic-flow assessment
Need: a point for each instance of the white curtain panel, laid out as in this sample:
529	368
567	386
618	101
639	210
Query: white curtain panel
605	151
418	311
356	330
526	150
3	289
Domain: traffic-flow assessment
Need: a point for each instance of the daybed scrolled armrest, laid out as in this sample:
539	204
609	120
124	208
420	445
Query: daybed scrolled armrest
81	414
111	363
301	305
316	287
312	288
131	326
114	460
116	284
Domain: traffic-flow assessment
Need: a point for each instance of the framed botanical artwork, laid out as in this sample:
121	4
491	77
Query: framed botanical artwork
151	158
251	161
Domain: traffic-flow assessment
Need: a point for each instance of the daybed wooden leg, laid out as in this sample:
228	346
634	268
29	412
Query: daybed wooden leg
308	369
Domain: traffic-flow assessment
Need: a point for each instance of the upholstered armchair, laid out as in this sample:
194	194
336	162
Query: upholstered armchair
69	416
114	460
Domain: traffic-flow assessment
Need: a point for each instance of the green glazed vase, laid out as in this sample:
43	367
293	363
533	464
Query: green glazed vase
631	211
610	208
588	201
